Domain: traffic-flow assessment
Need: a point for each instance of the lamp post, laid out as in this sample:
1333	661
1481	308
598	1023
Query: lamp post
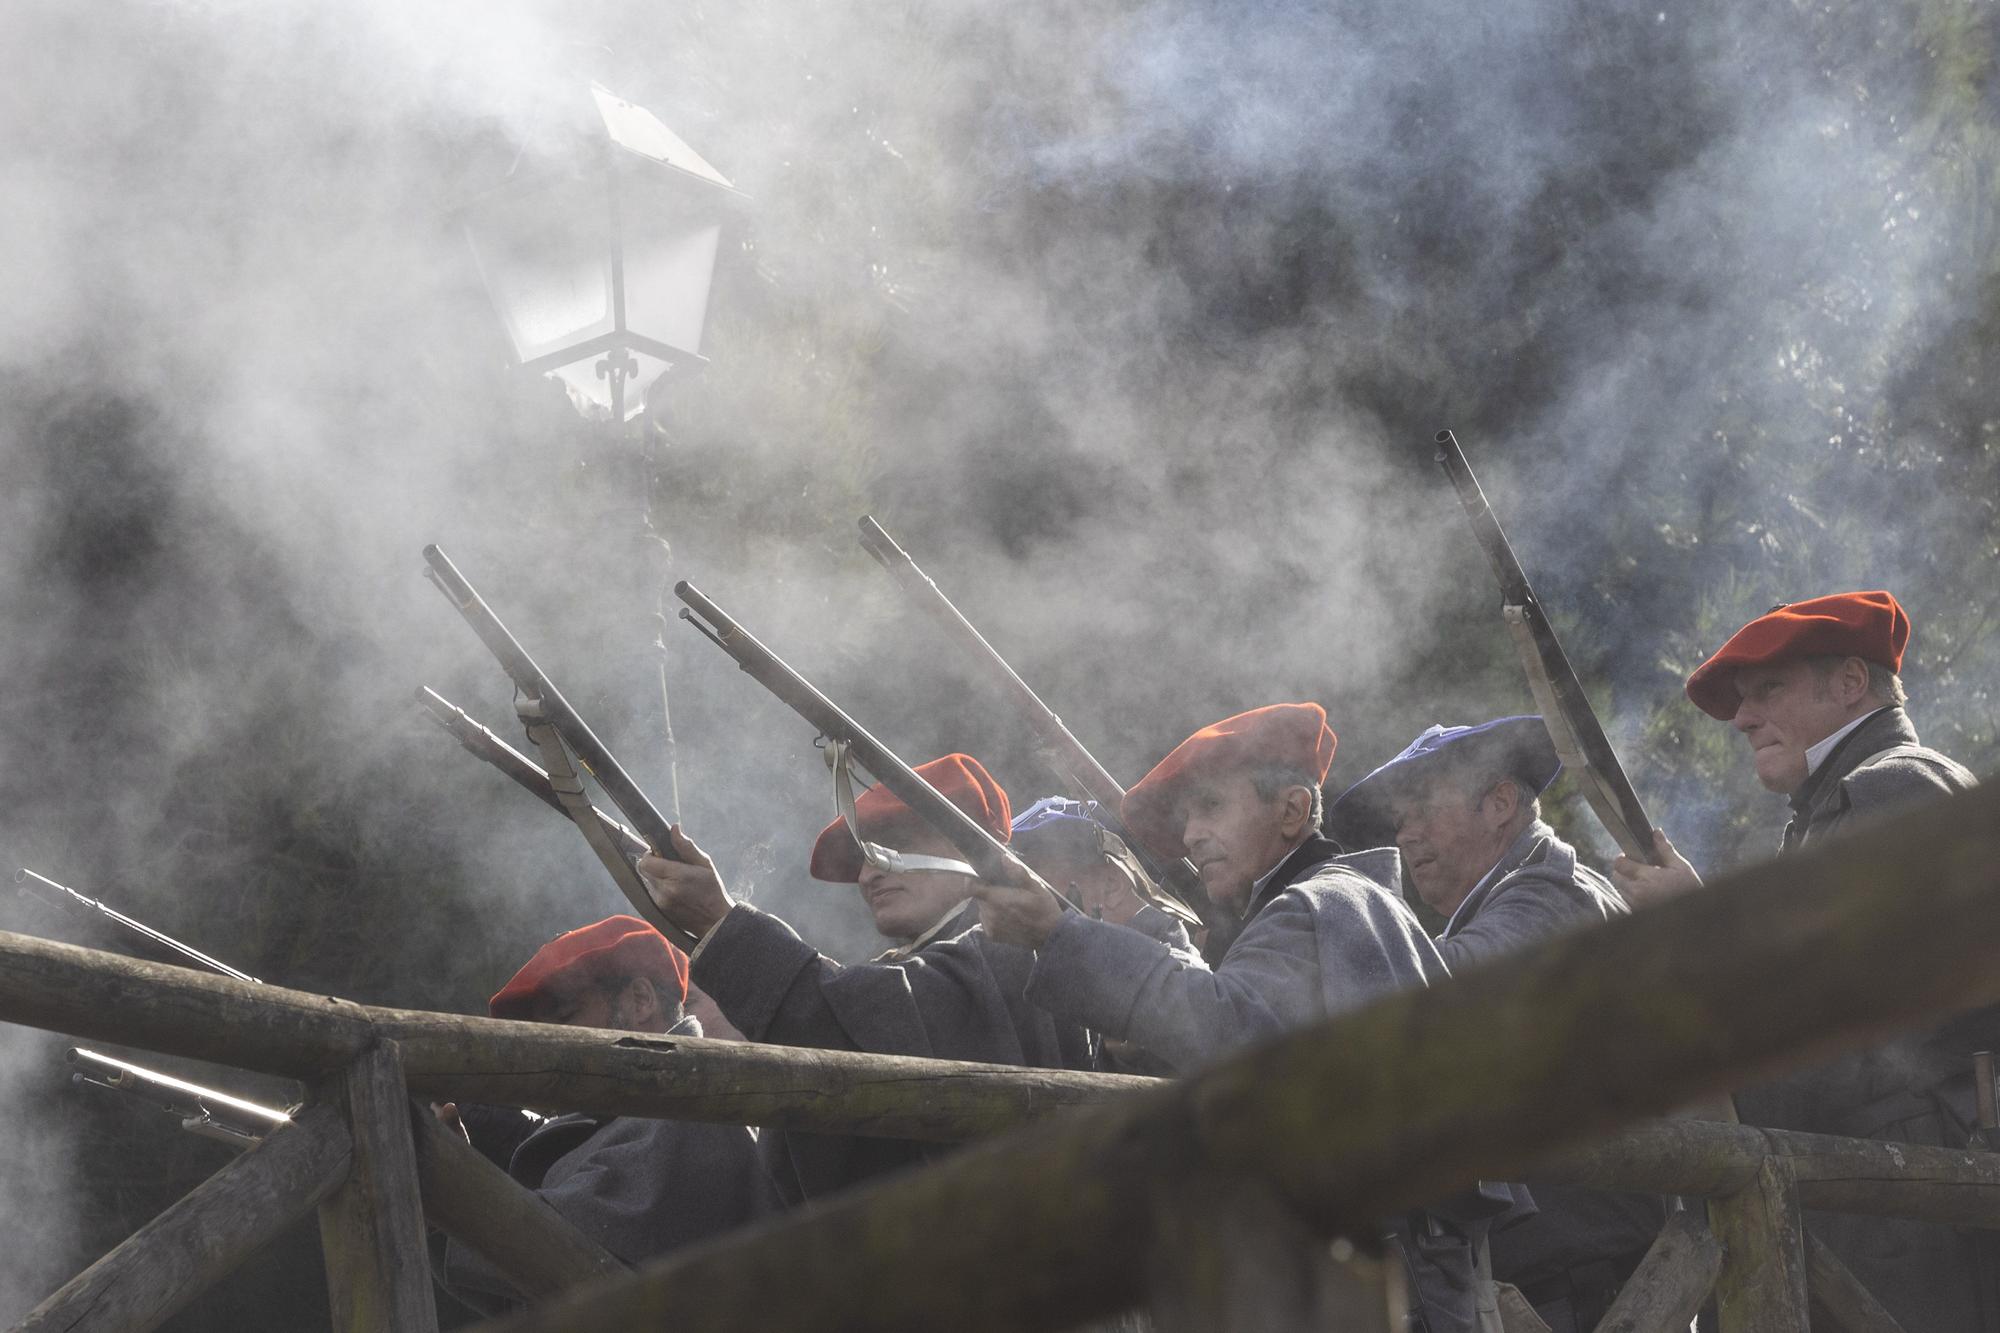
599	264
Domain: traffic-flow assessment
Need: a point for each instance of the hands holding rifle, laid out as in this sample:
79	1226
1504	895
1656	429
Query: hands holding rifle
1020	911
1643	885
689	890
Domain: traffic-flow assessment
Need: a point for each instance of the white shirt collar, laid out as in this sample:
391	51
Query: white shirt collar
1816	754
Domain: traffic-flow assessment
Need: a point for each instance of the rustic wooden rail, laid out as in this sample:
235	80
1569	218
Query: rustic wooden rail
1322	1131
108	997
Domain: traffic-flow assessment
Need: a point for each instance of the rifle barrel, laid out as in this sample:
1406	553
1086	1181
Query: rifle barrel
64	898
203	1110
1179	879
532	681
988	856
1566	710
480	740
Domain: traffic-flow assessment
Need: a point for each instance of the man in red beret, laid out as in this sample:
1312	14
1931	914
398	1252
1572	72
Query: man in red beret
1324	931
946	989
1814	688
638	1186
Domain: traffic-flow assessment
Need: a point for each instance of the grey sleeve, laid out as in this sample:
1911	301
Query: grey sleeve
1125	985
1517	916
758	971
643	1187
775	987
1155	924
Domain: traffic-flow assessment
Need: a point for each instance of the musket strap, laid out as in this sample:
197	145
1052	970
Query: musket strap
875	854
575	801
902	951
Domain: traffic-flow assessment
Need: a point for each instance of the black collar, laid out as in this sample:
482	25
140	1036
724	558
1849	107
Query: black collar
1313	851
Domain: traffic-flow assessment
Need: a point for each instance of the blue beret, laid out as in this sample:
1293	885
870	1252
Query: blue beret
1056	810
1523	744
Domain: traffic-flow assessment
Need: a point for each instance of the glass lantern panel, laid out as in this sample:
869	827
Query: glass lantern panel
667	274
545	255
590	391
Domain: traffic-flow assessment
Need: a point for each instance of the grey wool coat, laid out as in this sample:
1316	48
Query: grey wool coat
1324	934
1323	937
1537	890
1914	1089
637	1186
959	997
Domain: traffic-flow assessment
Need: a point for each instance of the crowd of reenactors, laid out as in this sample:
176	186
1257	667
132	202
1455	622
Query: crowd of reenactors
1004	973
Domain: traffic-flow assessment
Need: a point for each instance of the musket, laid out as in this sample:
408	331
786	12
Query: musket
204	1111
988	856
480	740
69	901
1573	726
1179	881
559	731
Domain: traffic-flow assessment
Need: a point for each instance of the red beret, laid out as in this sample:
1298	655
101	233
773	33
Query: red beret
959	778
615	948
1293	736
1868	625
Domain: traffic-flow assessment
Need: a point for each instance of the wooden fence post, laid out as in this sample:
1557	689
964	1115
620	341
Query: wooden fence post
1839	1296
1671	1282
203	1237
1762	1285
372	1228
1229	1256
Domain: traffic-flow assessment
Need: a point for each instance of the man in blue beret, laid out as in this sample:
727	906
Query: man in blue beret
1066	843
1463	805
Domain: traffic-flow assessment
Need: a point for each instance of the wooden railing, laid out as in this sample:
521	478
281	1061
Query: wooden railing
1207	1198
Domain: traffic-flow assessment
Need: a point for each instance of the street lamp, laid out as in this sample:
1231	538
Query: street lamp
600	267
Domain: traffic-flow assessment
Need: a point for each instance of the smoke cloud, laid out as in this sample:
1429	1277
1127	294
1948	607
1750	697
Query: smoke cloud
1132	321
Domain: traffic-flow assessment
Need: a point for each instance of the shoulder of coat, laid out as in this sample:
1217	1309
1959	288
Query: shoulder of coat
1905	773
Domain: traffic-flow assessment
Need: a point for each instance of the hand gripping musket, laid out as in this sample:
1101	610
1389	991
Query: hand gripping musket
1180	883
559	732
156	943
480	740
204	1111
1573	726
987	856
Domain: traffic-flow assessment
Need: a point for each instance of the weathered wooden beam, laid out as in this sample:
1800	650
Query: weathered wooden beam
1375	1111
512	1228
203	1237
1671	1283
372	1227
1761	1287
1955	1186
107	997
739	1083
1232	1258
1838	1297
